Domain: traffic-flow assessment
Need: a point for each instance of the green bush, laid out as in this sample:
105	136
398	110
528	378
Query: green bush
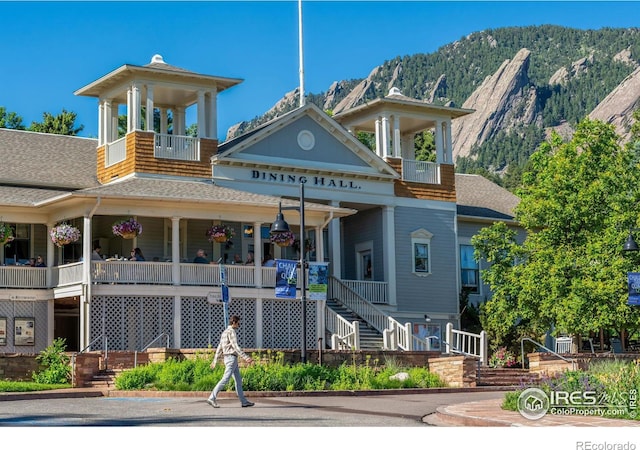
270	373
614	382
54	363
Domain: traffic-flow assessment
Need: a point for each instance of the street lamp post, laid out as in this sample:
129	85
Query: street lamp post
281	226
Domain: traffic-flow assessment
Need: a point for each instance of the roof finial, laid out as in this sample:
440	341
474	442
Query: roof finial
157	59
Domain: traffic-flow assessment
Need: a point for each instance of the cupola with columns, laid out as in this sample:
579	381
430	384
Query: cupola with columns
155	98
395	120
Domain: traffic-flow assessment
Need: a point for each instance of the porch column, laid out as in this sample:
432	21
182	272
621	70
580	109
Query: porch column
439	143
135	104
113	128
378	137
385	135
396	136
50	255
106	123
257	254
407	150
149	110
86	250
202	124
179	119
101	121
334	245
175	250
177	321
448	145
164	120
319	244
389	250
129	109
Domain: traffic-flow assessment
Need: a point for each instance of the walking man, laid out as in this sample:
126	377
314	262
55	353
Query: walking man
228	346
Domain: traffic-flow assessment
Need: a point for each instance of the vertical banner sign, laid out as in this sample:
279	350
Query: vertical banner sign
634	288
286	278
318	280
225	294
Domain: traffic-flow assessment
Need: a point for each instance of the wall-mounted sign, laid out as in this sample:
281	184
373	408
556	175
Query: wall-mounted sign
319	181
3	331
25	331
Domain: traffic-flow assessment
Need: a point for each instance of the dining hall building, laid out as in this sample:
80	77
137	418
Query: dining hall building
395	232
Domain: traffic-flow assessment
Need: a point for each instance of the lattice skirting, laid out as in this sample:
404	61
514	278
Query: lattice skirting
131	323
38	310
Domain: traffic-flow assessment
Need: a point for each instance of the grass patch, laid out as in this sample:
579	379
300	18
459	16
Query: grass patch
29	386
270	373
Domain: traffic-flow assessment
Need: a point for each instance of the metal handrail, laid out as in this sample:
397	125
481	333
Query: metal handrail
106	355
572	361
135	354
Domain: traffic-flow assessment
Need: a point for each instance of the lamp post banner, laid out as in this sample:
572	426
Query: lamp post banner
286	278
318	280
634	288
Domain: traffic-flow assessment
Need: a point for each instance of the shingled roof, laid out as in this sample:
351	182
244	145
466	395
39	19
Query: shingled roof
47	160
480	198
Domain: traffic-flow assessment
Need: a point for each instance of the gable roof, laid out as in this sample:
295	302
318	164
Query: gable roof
481	199
230	151
47	160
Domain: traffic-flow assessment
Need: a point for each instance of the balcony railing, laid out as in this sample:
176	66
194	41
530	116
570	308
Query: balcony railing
23	277
116	152
420	171
184	148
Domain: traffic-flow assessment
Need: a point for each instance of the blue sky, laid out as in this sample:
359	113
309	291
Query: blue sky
53	48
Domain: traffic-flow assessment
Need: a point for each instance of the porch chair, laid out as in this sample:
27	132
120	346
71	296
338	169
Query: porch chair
563	344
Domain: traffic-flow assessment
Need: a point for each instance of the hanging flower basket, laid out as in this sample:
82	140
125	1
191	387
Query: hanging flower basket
127	229
6	234
285	239
220	233
64	234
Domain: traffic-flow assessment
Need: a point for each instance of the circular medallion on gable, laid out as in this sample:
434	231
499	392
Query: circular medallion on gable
306	140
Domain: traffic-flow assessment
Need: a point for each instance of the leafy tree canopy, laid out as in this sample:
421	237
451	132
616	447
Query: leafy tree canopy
63	123
10	119
579	199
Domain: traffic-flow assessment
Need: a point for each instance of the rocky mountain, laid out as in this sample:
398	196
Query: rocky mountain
522	83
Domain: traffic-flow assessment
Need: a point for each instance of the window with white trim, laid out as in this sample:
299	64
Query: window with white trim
469	270
421	252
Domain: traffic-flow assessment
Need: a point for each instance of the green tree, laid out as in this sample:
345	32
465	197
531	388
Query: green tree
10	119
63	123
579	199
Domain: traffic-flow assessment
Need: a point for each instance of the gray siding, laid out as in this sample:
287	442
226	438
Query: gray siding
362	227
438	291
284	144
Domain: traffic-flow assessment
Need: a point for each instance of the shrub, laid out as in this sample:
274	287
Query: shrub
55	364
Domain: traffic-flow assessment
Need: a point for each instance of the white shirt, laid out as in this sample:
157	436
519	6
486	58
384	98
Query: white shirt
229	345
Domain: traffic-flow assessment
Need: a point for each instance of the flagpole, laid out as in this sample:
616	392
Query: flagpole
300	51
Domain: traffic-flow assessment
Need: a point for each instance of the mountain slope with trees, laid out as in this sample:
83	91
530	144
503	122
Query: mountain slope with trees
568	73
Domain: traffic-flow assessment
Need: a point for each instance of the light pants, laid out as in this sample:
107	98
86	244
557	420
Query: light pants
230	369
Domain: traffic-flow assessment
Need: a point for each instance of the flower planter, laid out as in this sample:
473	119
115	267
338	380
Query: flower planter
220	239
284	244
128	235
220	233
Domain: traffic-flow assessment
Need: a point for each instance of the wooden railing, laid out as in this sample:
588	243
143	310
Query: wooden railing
465	343
345	335
116	151
356	303
23	277
69	274
184	148
373	291
420	171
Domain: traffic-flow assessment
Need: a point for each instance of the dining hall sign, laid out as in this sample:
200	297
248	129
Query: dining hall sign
316	180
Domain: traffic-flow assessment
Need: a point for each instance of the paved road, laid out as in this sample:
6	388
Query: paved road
405	410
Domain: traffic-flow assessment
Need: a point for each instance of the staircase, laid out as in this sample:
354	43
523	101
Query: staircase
488	376
104	379
370	338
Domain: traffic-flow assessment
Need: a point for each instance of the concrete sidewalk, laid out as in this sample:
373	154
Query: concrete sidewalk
483	413
488	413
